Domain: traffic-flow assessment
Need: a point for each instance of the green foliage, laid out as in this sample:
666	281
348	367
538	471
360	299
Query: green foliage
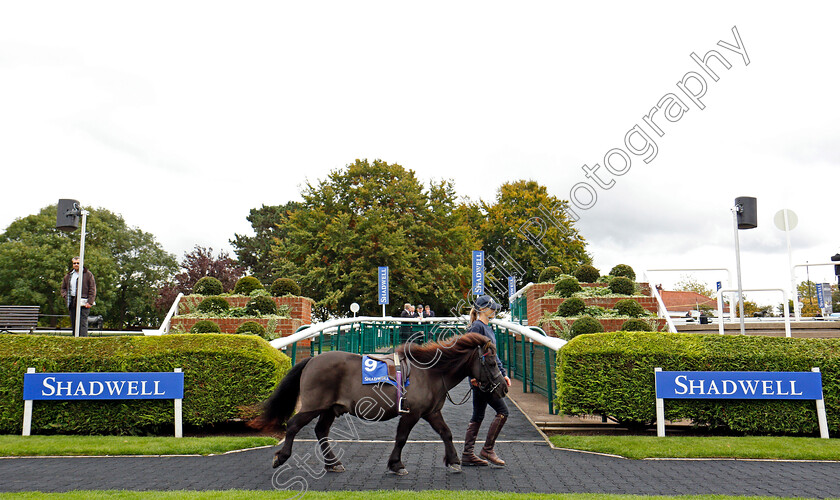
612	374
128	264
636	325
247	284
623	270
587	274
251	327
223	376
571	307
213	305
584	325
549	274
629	307
567	286
623	286
208	285
254	252
284	286
205	326
261	306
370	214
509	224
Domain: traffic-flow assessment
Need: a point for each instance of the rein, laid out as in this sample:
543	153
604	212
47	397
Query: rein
465	398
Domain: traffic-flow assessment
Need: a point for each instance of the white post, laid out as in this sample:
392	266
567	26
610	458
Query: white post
660	410
794	295
720	310
821	413
383	310
179	428
738	268
27	411
81	276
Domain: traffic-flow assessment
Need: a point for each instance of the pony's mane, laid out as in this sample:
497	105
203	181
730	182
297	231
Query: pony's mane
445	350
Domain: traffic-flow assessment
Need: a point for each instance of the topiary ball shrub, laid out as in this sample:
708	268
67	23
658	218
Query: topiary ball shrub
213	305
205	326
586	324
284	286
587	274
571	307
208	286
246	285
636	325
622	286
261	306
629	307
567	286
623	270
549	274
251	327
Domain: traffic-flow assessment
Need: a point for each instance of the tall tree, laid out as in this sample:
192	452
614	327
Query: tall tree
253	252
128	263
528	224
195	265
373	214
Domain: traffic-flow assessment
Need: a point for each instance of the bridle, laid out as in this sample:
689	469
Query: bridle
492	381
484	369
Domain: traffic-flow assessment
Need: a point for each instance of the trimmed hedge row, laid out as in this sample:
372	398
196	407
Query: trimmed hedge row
612	374
223	376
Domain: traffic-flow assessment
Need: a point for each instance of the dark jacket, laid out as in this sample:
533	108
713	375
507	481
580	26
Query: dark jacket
478	326
88	287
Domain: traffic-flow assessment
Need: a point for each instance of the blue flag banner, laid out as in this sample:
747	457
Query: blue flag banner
739	385
820	298
384	294
511	286
126	385
478	272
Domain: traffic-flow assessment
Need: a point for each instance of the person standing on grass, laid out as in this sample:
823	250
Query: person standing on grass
484	309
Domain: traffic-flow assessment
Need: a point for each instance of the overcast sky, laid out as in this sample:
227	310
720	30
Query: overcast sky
182	116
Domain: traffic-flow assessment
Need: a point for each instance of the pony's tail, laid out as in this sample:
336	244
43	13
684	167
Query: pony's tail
278	408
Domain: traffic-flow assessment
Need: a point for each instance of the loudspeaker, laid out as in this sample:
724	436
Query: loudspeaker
748	213
68	215
836	258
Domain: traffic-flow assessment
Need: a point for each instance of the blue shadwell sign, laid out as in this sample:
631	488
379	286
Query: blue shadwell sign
739	385
126	385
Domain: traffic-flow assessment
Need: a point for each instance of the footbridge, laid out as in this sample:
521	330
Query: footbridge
527	353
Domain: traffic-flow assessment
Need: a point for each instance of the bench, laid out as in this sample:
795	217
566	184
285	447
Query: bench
18	318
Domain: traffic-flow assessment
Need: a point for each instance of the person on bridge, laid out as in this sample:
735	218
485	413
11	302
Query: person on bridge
483	310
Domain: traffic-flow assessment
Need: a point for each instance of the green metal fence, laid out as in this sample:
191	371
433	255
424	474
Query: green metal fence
528	361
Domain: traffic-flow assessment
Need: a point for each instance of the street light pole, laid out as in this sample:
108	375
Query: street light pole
81	275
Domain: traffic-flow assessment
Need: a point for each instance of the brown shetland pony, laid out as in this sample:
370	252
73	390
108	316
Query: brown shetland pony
330	385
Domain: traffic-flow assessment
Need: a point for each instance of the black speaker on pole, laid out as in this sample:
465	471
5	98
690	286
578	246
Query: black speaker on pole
68	215
836	258
747	212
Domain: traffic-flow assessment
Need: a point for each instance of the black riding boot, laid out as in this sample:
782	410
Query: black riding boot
493	433
468	457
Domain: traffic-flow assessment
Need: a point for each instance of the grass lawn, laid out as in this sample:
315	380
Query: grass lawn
347	495
756	447
16	446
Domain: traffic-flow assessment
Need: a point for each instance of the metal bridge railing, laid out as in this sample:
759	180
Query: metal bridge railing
527	353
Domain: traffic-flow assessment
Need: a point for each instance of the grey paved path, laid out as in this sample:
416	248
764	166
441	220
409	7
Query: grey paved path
533	467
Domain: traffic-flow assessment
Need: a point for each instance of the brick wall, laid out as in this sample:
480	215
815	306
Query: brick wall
539	305
299	307
286	326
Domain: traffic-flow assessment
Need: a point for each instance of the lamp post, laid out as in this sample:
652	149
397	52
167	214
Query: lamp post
744	216
68	213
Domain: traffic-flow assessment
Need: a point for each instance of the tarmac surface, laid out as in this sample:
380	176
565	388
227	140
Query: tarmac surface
533	467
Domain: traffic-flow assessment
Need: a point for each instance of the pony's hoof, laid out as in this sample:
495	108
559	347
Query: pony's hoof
275	463
399	472
454	468
335	468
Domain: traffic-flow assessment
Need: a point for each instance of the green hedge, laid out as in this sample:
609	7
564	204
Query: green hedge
612	374
223	376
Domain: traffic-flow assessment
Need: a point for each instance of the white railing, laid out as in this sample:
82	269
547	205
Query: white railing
164	327
313	330
728	281
794	292
784	298
663	311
